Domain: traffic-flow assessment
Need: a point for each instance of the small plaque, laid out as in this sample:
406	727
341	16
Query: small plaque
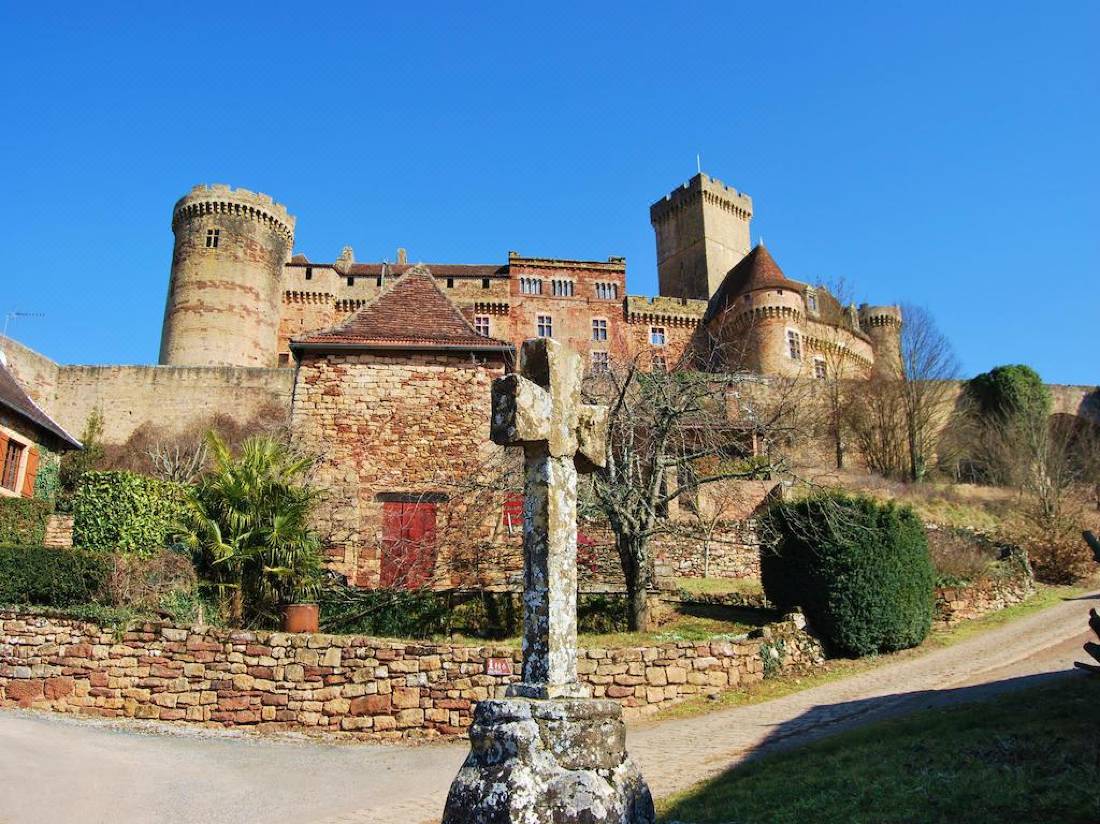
498	666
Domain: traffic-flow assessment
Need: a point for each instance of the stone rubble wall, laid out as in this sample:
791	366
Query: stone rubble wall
59	532
962	603
358	685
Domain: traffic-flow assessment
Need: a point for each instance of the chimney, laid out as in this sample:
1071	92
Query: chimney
402	256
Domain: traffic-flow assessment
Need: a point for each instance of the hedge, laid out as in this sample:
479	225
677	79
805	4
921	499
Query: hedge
126	511
51	577
861	571
23	520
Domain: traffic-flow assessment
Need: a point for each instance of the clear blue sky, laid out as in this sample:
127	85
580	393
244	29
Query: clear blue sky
942	154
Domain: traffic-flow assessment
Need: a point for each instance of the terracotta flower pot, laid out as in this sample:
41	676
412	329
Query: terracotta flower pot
301	618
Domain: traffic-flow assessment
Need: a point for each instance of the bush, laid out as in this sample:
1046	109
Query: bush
398	613
860	570
148	583
126	511
23	520
51	577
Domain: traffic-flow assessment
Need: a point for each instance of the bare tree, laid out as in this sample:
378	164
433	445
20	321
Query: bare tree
670	434
834	361
928	365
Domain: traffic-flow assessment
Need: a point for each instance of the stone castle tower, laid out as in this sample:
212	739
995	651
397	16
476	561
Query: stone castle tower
882	324
225	291
702	231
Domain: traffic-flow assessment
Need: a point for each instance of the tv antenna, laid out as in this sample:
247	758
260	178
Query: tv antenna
10	316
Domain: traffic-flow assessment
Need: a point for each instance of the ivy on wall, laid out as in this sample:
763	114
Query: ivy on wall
47	481
126	511
23	520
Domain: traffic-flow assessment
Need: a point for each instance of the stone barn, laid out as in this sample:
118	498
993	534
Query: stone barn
396	400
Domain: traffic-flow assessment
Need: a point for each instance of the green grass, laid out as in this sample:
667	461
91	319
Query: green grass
719	586
1033	756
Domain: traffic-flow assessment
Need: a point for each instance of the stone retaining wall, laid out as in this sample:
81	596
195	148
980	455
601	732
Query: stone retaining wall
59	532
962	603
349	684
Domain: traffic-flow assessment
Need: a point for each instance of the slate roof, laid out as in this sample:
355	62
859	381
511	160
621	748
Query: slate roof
411	313
13	398
756	270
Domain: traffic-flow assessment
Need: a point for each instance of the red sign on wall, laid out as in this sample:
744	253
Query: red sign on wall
498	666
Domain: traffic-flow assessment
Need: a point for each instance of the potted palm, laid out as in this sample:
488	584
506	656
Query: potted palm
248	528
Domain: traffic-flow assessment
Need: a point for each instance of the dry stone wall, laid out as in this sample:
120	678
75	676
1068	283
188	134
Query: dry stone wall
342	684
962	603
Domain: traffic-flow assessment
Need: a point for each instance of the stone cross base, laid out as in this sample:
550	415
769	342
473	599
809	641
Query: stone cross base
559	761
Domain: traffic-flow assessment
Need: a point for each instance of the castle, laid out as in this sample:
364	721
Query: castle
383	369
238	297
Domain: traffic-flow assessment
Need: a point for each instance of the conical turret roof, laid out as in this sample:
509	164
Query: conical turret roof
756	270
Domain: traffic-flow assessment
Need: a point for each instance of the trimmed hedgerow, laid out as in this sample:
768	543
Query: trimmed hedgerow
51	577
860	570
126	511
23	520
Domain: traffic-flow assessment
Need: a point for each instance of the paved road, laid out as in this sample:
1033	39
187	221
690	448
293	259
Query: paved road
61	769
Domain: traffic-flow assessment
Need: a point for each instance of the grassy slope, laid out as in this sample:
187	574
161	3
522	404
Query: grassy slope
1032	756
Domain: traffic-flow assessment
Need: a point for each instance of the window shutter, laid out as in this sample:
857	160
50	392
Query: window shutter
31	472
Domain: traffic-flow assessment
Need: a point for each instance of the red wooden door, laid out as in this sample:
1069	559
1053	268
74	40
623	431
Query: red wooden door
408	544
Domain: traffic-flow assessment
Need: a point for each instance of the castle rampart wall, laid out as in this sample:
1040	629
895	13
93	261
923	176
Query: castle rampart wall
172	397
36	373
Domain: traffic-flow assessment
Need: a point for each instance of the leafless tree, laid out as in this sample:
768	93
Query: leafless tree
928	366
835	362
669	435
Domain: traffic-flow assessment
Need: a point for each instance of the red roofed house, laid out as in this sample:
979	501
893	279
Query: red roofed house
397	400
28	437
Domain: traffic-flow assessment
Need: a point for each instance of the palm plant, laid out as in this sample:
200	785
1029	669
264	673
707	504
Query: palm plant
248	528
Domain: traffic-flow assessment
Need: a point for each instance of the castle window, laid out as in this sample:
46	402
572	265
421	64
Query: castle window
9	472
600	361
794	345
659	363
485	283
657	335
562	288
212	237
450	283
821	372
378	281
309	273
284	359
351	281
599	329
811	302
607	291
530	286
481	325
545	326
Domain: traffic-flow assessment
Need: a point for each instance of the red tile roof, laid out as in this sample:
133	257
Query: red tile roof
756	270
411	313
15	399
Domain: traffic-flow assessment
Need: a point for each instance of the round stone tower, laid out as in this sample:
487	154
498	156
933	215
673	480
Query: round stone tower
882	324
227	266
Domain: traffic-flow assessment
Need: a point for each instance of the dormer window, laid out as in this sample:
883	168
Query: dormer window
811	302
212	238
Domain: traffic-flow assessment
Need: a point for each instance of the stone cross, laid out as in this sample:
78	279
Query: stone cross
540	409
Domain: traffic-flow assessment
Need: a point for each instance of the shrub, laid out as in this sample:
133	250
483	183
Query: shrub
51	577
23	520
126	511
401	613
146	583
860	570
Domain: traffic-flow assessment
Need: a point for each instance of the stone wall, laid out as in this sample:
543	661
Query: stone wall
169	397
349	684
59	531
962	603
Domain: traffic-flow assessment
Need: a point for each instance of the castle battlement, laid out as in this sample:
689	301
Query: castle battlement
220	198
879	315
673	311
708	189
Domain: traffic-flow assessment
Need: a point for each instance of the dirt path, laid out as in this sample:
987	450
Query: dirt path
60	769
